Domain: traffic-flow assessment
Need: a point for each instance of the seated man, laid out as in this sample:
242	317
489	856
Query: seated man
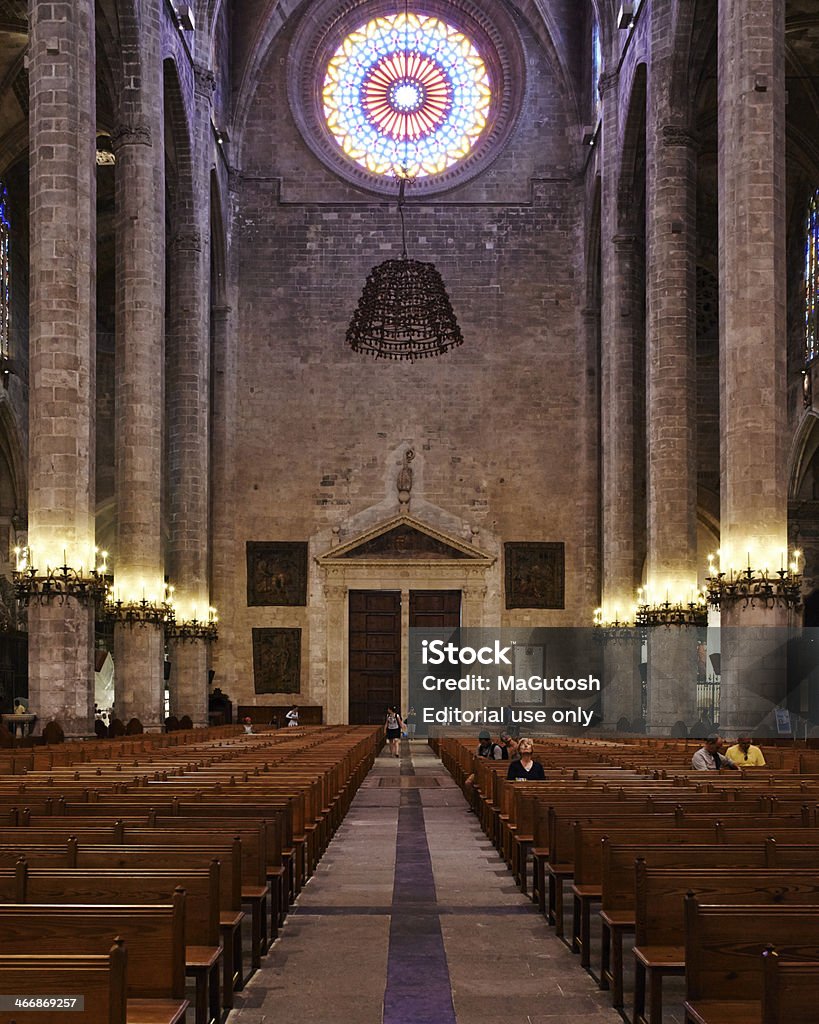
745	754
708	757
486	748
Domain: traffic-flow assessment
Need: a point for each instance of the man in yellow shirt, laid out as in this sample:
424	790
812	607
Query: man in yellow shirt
744	754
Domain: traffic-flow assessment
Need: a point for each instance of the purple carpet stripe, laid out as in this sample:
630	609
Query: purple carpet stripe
418	990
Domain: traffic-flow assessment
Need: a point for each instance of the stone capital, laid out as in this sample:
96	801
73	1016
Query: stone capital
608	80
677	135
624	243
186	241
204	80
130	135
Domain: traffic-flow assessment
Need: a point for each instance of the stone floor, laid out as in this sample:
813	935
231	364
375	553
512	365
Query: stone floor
412	918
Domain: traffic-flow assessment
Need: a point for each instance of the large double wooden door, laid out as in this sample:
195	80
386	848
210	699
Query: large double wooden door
375	644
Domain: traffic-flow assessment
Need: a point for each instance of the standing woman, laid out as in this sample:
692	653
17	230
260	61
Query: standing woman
292	716
394	726
526	768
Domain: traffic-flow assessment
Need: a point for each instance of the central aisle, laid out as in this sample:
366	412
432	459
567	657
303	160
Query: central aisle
412	918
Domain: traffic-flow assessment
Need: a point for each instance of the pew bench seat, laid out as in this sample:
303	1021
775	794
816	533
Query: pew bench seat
724	1011
155	1011
652	964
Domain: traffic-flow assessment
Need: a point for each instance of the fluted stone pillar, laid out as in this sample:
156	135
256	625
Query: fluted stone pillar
753	461
62	350
620	440
140	229
671	376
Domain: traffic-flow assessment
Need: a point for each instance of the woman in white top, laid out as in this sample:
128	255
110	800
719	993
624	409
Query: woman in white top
394	727
292	716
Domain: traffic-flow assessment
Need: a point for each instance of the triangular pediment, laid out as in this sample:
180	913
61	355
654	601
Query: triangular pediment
404	539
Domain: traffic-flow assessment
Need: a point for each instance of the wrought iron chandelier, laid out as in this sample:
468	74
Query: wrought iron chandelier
404	311
676	611
754	586
59	582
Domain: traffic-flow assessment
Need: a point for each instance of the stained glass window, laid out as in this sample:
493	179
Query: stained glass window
812	279
407	93
5	293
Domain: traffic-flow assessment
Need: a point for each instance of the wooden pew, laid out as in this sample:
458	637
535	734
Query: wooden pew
661	946
790	989
155	938
202	950
618	889
587	887
254	835
187	856
100	980
723	956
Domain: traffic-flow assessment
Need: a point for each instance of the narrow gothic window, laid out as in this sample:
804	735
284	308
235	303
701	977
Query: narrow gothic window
5	292
812	279
596	68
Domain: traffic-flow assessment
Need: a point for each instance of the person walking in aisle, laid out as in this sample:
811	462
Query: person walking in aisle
395	726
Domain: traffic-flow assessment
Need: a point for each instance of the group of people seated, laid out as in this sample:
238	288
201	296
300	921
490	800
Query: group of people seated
715	754
518	752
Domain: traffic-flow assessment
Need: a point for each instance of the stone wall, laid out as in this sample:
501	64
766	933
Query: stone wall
495	425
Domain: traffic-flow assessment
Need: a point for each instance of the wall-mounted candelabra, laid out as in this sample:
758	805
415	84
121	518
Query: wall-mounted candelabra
609	627
153	608
42	585
671	612
755	586
194	628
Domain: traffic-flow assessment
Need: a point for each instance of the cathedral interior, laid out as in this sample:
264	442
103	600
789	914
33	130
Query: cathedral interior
228	470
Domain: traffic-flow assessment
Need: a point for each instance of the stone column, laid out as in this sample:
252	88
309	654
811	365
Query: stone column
671	575
620	435
226	550
188	472
189	408
753	461
620	441
140	224
621	695
62	339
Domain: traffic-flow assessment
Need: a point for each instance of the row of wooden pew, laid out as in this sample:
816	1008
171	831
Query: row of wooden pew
174	848
715	875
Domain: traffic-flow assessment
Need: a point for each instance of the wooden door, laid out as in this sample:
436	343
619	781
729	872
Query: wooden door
435	609
375	654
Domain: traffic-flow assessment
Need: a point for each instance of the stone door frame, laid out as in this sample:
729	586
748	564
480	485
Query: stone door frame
342	573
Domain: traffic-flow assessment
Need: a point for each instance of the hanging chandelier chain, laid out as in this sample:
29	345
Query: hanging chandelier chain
401	203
